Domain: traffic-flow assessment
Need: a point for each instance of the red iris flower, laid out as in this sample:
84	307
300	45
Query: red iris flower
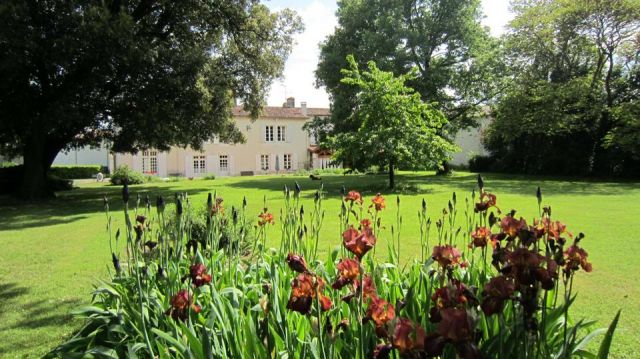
353	196
575	258
304	289
296	263
378	202
218	208
511	226
265	218
180	304
487	200
199	275
523	265
358	243
408	336
481	236
348	273
456	294
446	255
496	292
380	312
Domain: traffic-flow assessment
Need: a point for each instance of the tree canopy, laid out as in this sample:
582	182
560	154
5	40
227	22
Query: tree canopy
572	92
140	74
443	39
396	127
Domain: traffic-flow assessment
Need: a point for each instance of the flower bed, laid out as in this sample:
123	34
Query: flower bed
192	284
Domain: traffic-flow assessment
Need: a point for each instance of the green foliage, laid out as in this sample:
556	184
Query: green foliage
209	177
569	101
156	306
125	175
7	164
75	171
457	61
396	127
139	74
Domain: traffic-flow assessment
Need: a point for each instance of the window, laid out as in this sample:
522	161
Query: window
281	133
150	162
224	162
287	161
268	133
199	164
264	162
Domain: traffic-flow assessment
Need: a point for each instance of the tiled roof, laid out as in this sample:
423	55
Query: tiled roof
284	112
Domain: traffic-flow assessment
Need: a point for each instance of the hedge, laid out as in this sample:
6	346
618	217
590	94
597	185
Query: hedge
76	171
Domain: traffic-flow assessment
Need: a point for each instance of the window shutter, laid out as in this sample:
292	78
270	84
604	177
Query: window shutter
294	161
272	162
136	162
211	162
216	164
288	133
162	164
263	133
188	166
231	166
258	165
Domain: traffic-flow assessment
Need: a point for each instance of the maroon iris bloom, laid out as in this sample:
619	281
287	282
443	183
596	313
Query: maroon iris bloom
496	292
180	305
296	263
199	275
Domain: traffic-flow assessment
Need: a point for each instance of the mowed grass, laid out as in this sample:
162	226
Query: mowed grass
53	252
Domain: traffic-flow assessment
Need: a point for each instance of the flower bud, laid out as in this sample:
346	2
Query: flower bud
539	195
480	182
179	207
125	193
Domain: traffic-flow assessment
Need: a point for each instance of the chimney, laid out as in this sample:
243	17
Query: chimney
303	108
291	102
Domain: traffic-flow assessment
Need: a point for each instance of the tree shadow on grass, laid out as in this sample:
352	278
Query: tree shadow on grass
41	313
424	184
78	204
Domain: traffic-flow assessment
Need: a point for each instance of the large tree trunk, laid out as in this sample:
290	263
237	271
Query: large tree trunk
392	175
38	157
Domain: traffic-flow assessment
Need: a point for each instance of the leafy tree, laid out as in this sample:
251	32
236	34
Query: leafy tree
138	73
455	58
570	89
396	127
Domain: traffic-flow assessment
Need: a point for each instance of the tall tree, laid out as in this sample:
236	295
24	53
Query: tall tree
396	127
569	79
138	73
454	55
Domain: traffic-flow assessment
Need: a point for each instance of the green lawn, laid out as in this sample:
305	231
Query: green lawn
51	253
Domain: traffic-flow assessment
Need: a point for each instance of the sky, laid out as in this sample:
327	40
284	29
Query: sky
319	21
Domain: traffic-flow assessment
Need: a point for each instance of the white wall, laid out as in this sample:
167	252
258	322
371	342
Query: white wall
83	156
470	144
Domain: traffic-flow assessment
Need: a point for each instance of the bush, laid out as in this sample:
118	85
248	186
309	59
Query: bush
209	177
124	174
7	164
505	287
479	163
75	171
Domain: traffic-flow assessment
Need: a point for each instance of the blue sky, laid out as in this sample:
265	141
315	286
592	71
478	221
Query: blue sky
319	20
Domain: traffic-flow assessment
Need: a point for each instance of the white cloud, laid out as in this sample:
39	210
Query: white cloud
319	20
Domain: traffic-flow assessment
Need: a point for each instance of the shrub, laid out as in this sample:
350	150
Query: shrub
479	163
75	171
7	164
125	175
506	289
209	177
